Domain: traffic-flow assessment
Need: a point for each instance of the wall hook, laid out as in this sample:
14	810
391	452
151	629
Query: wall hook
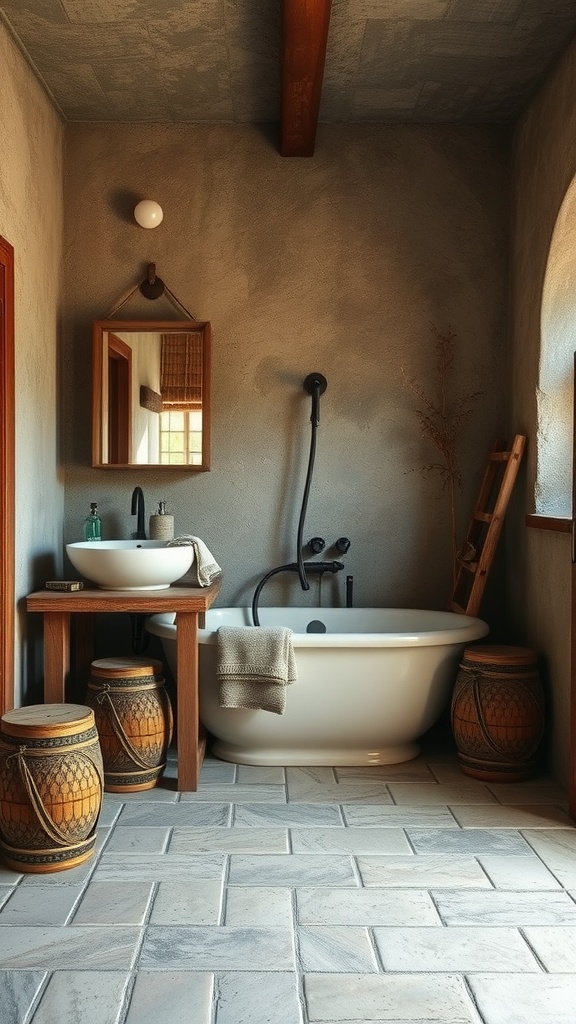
152	287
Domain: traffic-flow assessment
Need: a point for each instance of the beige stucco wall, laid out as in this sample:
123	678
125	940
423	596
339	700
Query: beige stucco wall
336	264
31	219
539	566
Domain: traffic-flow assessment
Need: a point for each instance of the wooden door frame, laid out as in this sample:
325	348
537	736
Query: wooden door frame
7	476
120	402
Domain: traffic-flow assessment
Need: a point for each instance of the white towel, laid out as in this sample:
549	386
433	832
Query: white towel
207	568
254	666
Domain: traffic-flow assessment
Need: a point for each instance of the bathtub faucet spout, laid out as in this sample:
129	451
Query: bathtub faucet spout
315	568
322	567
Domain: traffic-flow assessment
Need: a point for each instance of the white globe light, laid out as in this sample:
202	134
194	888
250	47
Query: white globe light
148	214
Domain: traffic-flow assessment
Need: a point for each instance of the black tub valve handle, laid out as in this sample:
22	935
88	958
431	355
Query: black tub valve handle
317	544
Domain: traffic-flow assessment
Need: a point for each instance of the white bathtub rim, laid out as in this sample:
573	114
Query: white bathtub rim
464	630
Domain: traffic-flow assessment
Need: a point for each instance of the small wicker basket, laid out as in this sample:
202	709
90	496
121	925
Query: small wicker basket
498	712
134	721
51	782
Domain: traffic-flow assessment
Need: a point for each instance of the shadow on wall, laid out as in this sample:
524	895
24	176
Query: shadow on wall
32	648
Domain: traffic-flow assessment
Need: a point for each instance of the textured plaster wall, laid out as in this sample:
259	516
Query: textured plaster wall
337	264
31	219
539	565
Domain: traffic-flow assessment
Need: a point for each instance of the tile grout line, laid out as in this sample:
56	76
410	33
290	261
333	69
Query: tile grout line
298	969
538	959
472	998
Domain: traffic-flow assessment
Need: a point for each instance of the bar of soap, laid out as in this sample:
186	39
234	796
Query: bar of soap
64	585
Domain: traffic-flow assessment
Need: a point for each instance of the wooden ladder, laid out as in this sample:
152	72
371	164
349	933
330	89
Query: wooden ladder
476	555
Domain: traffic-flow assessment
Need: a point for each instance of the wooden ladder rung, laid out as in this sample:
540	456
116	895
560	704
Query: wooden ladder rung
470	566
480	544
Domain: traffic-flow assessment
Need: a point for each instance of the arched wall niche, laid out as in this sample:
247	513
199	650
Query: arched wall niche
553	488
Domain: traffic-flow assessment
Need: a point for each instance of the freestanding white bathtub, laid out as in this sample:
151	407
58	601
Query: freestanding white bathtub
369	684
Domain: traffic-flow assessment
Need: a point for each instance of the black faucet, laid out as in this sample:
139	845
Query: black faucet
138	510
314	568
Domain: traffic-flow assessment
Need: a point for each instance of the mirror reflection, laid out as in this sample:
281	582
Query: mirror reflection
151	401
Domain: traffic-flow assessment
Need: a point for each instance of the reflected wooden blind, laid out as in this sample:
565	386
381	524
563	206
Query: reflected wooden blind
181	371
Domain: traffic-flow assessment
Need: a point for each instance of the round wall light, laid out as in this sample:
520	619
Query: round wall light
148	214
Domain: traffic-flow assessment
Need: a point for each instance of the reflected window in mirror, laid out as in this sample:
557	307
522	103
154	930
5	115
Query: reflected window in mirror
151	394
181	438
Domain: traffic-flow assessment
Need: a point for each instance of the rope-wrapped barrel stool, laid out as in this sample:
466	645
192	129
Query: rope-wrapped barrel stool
498	712
51	782
134	721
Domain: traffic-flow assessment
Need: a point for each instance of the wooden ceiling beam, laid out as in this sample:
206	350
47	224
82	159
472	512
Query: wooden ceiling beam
304	39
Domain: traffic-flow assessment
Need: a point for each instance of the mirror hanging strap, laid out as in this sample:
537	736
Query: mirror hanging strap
152	287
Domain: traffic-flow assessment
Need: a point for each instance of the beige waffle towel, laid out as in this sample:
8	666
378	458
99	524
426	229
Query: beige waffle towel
254	667
207	568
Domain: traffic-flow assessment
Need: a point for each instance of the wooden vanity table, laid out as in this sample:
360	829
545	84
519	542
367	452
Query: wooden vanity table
58	607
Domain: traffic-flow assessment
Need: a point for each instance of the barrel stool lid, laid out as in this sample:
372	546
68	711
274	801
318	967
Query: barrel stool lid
47	719
499	654
112	668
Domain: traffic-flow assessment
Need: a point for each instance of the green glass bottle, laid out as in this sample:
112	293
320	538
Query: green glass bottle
93	524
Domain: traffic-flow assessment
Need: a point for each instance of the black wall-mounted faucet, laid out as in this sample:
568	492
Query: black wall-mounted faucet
318	568
137	508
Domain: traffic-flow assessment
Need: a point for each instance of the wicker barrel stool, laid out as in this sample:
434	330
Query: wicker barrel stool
498	712
51	782
134	721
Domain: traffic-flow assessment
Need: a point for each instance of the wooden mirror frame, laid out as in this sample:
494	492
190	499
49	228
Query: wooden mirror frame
149	399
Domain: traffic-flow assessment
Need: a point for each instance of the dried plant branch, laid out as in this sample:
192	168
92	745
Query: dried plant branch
442	421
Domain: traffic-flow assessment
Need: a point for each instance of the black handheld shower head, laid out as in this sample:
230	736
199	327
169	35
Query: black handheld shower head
315	384
315	381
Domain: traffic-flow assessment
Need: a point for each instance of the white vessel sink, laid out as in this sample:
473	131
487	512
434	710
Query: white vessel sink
130	564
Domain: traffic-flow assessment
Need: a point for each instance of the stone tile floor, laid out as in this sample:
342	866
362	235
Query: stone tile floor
408	894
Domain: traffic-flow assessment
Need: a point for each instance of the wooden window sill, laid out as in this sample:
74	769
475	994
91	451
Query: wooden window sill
559	524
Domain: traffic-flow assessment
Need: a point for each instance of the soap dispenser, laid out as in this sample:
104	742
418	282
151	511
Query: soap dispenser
161	524
93	524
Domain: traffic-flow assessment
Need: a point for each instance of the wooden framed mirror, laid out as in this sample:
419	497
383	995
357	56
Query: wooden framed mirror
151	394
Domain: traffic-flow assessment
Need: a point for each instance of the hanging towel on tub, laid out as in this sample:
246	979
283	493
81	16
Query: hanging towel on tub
254	666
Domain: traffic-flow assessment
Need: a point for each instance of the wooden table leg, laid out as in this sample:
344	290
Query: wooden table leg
56	656
187	700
